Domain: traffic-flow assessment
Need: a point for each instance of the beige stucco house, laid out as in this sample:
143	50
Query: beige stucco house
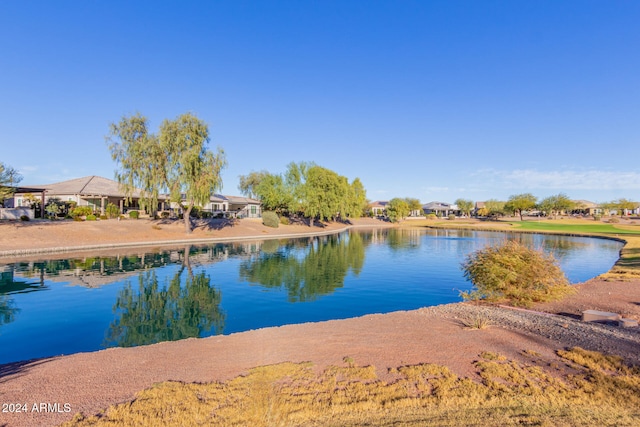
94	191
97	192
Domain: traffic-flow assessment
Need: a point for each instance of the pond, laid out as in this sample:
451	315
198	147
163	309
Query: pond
59	306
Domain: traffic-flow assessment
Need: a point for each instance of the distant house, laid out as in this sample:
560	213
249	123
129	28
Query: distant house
440	209
379	207
585	207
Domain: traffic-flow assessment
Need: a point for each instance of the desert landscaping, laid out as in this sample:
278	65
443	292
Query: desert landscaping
90	382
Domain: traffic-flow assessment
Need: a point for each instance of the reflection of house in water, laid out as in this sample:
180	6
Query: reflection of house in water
99	270
413	236
397	237
9	284
379	236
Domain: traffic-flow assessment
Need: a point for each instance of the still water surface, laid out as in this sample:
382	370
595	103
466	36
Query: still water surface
64	306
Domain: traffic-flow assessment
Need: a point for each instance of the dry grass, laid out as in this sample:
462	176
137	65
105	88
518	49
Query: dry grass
602	390
476	322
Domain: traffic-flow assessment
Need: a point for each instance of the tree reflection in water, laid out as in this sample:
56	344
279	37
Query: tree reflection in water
152	313
8	310
307	268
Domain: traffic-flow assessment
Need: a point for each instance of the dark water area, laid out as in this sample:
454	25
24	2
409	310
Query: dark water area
64	306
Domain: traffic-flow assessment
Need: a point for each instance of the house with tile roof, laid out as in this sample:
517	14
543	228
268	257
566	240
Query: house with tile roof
440	209
97	192
94	191
379	207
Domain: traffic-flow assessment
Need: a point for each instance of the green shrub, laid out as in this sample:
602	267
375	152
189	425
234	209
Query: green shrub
270	219
52	210
112	210
431	216
134	214
164	215
91	217
24	218
613	220
196	212
80	211
512	272
284	220
104	217
451	217
597	217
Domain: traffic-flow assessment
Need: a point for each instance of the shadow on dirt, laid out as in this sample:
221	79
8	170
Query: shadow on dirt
16	369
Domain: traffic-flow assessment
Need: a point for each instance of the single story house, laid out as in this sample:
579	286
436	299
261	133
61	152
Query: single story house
94	191
440	209
244	207
97	192
585	207
234	206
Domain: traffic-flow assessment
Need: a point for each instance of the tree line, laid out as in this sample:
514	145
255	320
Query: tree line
177	161
306	190
554	205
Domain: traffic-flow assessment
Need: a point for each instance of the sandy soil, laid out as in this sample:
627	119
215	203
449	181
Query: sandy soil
89	382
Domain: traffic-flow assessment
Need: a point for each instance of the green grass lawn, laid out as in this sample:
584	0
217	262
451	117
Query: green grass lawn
546	225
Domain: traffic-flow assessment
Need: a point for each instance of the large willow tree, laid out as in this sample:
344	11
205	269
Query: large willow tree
176	161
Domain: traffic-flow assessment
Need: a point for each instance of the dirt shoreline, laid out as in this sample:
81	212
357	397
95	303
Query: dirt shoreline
89	382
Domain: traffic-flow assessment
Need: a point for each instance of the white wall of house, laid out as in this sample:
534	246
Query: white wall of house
222	206
16	213
248	211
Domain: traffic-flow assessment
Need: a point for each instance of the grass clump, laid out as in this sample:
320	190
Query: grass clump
514	273
476	321
601	390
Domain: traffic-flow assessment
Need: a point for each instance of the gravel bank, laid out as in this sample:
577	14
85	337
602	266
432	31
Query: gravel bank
569	332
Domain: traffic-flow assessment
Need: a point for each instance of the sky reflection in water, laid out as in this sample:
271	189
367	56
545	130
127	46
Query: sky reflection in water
64	306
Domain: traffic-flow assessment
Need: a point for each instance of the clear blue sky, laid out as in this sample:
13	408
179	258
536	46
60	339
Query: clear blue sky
429	99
